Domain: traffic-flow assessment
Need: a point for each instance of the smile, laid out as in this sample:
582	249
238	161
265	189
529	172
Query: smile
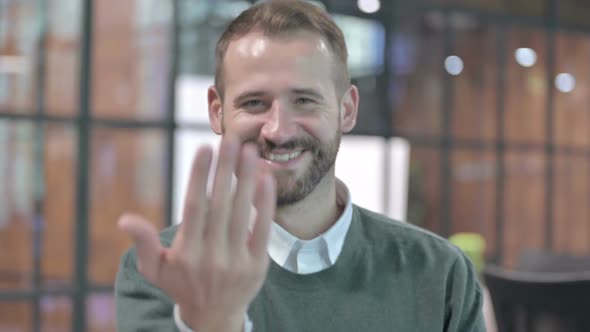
281	156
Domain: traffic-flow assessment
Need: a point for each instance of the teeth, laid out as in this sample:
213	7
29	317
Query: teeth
282	157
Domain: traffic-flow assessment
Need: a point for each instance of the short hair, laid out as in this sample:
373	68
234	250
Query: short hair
276	18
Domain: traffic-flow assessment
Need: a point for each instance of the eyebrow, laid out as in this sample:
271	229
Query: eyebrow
308	92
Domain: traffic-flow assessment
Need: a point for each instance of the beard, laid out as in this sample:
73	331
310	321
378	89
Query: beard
292	190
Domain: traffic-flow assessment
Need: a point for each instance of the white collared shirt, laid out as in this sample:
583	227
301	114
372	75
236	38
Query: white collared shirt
302	256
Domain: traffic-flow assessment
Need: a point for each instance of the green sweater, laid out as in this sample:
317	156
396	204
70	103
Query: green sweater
390	276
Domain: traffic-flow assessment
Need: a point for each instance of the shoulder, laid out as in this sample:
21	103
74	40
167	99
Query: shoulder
428	262
406	240
141	306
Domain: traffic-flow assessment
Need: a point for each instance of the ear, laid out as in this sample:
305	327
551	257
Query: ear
215	110
349	108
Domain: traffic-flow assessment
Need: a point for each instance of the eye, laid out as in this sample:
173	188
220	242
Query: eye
252	103
254	106
303	101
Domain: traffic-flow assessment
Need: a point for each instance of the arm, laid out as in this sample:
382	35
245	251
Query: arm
143	307
140	305
248	326
464	299
214	266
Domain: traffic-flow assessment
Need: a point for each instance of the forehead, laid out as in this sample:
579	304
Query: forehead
256	59
253	43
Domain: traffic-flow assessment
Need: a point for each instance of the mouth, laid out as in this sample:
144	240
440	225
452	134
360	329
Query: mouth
283	160
281	157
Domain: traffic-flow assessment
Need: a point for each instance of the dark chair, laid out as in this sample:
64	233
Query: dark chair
539	302
536	260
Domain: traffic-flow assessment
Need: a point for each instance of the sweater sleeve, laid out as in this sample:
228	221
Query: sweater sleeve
140	305
464	299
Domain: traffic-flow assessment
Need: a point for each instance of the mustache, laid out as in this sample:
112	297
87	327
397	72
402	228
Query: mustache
299	143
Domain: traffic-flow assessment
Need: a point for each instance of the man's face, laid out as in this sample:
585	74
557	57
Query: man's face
280	94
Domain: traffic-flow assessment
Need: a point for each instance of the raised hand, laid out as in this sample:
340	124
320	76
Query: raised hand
215	265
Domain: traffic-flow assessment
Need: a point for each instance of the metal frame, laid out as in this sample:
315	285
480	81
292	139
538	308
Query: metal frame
551	6
500	146
38	166
446	139
171	114
83	171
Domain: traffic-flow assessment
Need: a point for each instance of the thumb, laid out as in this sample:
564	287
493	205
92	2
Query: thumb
147	243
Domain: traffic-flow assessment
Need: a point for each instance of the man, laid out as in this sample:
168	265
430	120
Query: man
281	101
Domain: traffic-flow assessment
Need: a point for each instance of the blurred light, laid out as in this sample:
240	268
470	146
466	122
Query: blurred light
454	65
526	57
13	64
565	82
318	4
366	42
369	6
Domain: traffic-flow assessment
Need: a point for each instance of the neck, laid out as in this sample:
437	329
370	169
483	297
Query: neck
314	214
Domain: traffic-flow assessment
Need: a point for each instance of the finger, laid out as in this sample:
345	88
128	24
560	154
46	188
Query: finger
221	198
265	204
147	243
242	206
195	203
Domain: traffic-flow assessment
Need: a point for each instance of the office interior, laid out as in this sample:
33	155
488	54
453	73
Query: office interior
474	121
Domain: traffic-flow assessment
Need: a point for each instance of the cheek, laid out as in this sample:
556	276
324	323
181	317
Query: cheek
323	123
321	131
244	127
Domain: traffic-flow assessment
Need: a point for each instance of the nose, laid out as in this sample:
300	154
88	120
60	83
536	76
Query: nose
279	126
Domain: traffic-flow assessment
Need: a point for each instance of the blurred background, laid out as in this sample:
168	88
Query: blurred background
101	100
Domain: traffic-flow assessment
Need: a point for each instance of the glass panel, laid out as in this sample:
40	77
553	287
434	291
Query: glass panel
571	86
519	7
365	40
16	210
202	23
100	310
187	142
424	188
56	314
526	87
474	99
128	174
399	163
20	28
571	209
524	203
59	202
131	58
19	35
363	155
417	63
573	12
473	204
191	99
62	60
373	109
38	196
15	316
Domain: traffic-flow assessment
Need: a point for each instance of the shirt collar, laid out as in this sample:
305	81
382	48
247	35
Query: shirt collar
282	242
